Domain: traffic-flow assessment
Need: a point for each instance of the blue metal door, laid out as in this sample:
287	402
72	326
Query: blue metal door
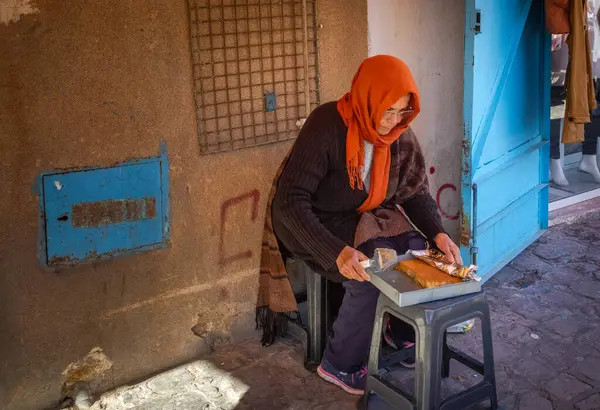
506	130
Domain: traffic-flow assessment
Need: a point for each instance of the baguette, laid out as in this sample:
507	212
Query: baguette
425	275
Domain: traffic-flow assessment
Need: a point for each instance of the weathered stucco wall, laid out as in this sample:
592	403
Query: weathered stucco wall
11	11
428	36
84	83
343	44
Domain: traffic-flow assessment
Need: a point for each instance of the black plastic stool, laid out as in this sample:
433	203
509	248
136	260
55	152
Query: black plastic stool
313	336
319	317
433	354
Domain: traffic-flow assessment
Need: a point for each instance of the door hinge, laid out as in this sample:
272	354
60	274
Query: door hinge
474	248
477	26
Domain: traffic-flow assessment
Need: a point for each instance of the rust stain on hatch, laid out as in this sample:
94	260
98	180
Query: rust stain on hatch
70	260
94	214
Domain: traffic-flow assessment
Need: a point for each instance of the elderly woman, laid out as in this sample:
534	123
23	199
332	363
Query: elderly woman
354	181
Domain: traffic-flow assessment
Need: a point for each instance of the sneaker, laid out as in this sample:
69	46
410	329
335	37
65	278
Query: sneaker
389	340
353	383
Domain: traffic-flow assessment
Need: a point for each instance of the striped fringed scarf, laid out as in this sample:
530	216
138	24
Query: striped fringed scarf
276	303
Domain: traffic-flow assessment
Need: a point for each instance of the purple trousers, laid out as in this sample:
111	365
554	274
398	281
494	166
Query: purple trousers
350	339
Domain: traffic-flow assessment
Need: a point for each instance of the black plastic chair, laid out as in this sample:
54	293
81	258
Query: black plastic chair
433	354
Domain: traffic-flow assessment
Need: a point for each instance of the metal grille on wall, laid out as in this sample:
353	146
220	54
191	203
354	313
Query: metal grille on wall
255	70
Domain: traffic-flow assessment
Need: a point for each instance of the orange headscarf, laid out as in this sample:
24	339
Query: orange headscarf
379	83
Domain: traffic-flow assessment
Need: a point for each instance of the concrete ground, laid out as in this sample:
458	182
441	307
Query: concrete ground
546	319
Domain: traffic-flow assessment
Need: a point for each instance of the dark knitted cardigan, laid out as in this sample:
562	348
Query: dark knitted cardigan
314	210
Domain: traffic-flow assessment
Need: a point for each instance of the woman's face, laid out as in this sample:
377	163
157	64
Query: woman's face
396	114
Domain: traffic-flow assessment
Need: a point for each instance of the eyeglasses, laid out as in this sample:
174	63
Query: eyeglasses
404	113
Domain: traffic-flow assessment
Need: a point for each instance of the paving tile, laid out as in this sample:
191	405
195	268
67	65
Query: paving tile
592	222
335	406
506	315
592	310
565	275
507	384
506	352
508	402
553	236
531	309
586	268
563	325
566	387
589	403
532	369
526	261
593	257
588	336
534	401
562	297
566	248
514	335
508	274
561	353
587	236
589	289
590	368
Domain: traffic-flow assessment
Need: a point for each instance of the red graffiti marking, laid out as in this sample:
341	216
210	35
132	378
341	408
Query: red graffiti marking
437	199
225	206
439	195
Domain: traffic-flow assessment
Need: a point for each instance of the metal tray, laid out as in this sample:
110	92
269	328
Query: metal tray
405	292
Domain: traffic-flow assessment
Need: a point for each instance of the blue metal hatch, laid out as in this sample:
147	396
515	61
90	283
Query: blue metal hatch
101	212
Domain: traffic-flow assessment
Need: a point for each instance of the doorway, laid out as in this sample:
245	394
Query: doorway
568	183
506	123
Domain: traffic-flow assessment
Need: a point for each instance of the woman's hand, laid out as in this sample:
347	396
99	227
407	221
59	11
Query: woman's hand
445	244
348	263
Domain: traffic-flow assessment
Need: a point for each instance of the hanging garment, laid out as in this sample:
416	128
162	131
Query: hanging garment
579	83
557	16
594	34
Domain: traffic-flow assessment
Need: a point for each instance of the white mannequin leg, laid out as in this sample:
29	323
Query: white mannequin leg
562	155
589	165
557	174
